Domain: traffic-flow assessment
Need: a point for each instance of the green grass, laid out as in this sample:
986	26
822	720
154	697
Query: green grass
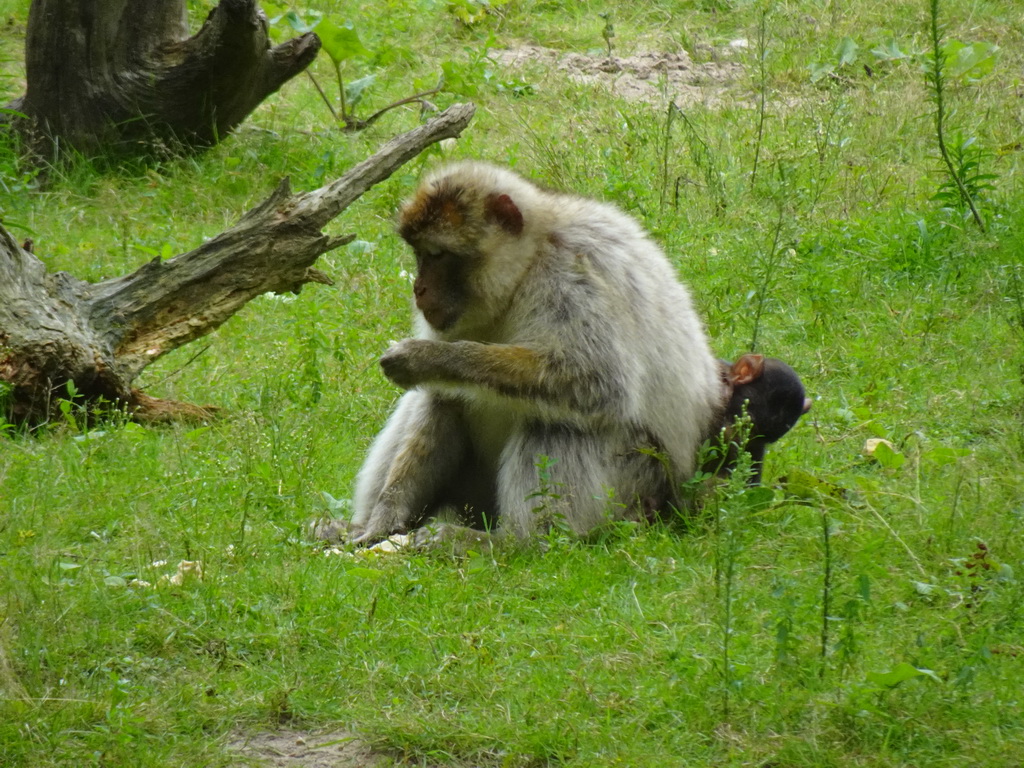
904	319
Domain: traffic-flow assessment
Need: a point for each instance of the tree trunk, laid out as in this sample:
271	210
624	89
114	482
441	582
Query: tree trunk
123	76
56	329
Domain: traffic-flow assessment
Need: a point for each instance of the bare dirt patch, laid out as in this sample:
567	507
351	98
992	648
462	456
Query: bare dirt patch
307	749
652	77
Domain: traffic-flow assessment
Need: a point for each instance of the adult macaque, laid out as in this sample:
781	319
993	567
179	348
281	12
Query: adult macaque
772	396
559	372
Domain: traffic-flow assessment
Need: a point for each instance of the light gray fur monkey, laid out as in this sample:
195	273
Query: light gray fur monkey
552	335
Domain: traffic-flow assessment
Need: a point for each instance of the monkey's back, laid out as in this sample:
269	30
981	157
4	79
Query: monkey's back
627	291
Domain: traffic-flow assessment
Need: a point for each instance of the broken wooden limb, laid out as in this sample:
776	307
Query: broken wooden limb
56	329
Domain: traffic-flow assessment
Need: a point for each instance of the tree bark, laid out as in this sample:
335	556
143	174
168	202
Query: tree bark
56	329
124	77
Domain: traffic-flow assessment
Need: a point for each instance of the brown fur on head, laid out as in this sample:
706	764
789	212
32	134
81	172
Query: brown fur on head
435	210
457	207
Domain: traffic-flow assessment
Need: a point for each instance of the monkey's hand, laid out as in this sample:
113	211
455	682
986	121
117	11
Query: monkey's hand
409	362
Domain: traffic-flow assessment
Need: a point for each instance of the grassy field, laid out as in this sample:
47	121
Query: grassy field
867	611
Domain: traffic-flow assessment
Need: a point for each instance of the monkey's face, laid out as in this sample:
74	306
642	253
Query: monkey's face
442	286
771	393
775	401
785	398
458	229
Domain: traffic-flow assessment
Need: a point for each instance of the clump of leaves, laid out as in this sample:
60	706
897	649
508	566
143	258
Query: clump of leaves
964	62
472	12
849	55
466	77
966	181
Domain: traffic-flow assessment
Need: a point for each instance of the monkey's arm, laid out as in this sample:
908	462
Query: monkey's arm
513	371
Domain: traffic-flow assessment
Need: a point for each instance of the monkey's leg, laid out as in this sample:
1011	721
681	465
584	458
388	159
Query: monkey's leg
555	475
583	479
412	461
560	475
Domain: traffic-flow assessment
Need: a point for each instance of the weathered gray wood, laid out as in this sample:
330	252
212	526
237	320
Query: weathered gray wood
55	328
123	76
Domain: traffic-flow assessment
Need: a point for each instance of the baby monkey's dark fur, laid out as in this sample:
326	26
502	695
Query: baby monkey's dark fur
771	395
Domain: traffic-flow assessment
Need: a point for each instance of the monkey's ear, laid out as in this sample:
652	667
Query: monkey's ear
501	209
745	370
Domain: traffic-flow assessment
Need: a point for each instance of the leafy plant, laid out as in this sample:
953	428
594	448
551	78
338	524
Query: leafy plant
962	165
472	12
849	56
768	266
733	501
969	62
546	497
342	44
608	31
966	181
710	182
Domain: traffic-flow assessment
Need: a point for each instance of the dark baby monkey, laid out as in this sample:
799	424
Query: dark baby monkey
772	396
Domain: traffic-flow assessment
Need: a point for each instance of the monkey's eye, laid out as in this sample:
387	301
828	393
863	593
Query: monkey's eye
432	258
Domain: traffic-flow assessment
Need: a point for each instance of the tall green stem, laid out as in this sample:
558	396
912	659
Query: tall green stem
937	79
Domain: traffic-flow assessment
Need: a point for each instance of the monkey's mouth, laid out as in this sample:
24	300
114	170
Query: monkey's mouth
439	318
